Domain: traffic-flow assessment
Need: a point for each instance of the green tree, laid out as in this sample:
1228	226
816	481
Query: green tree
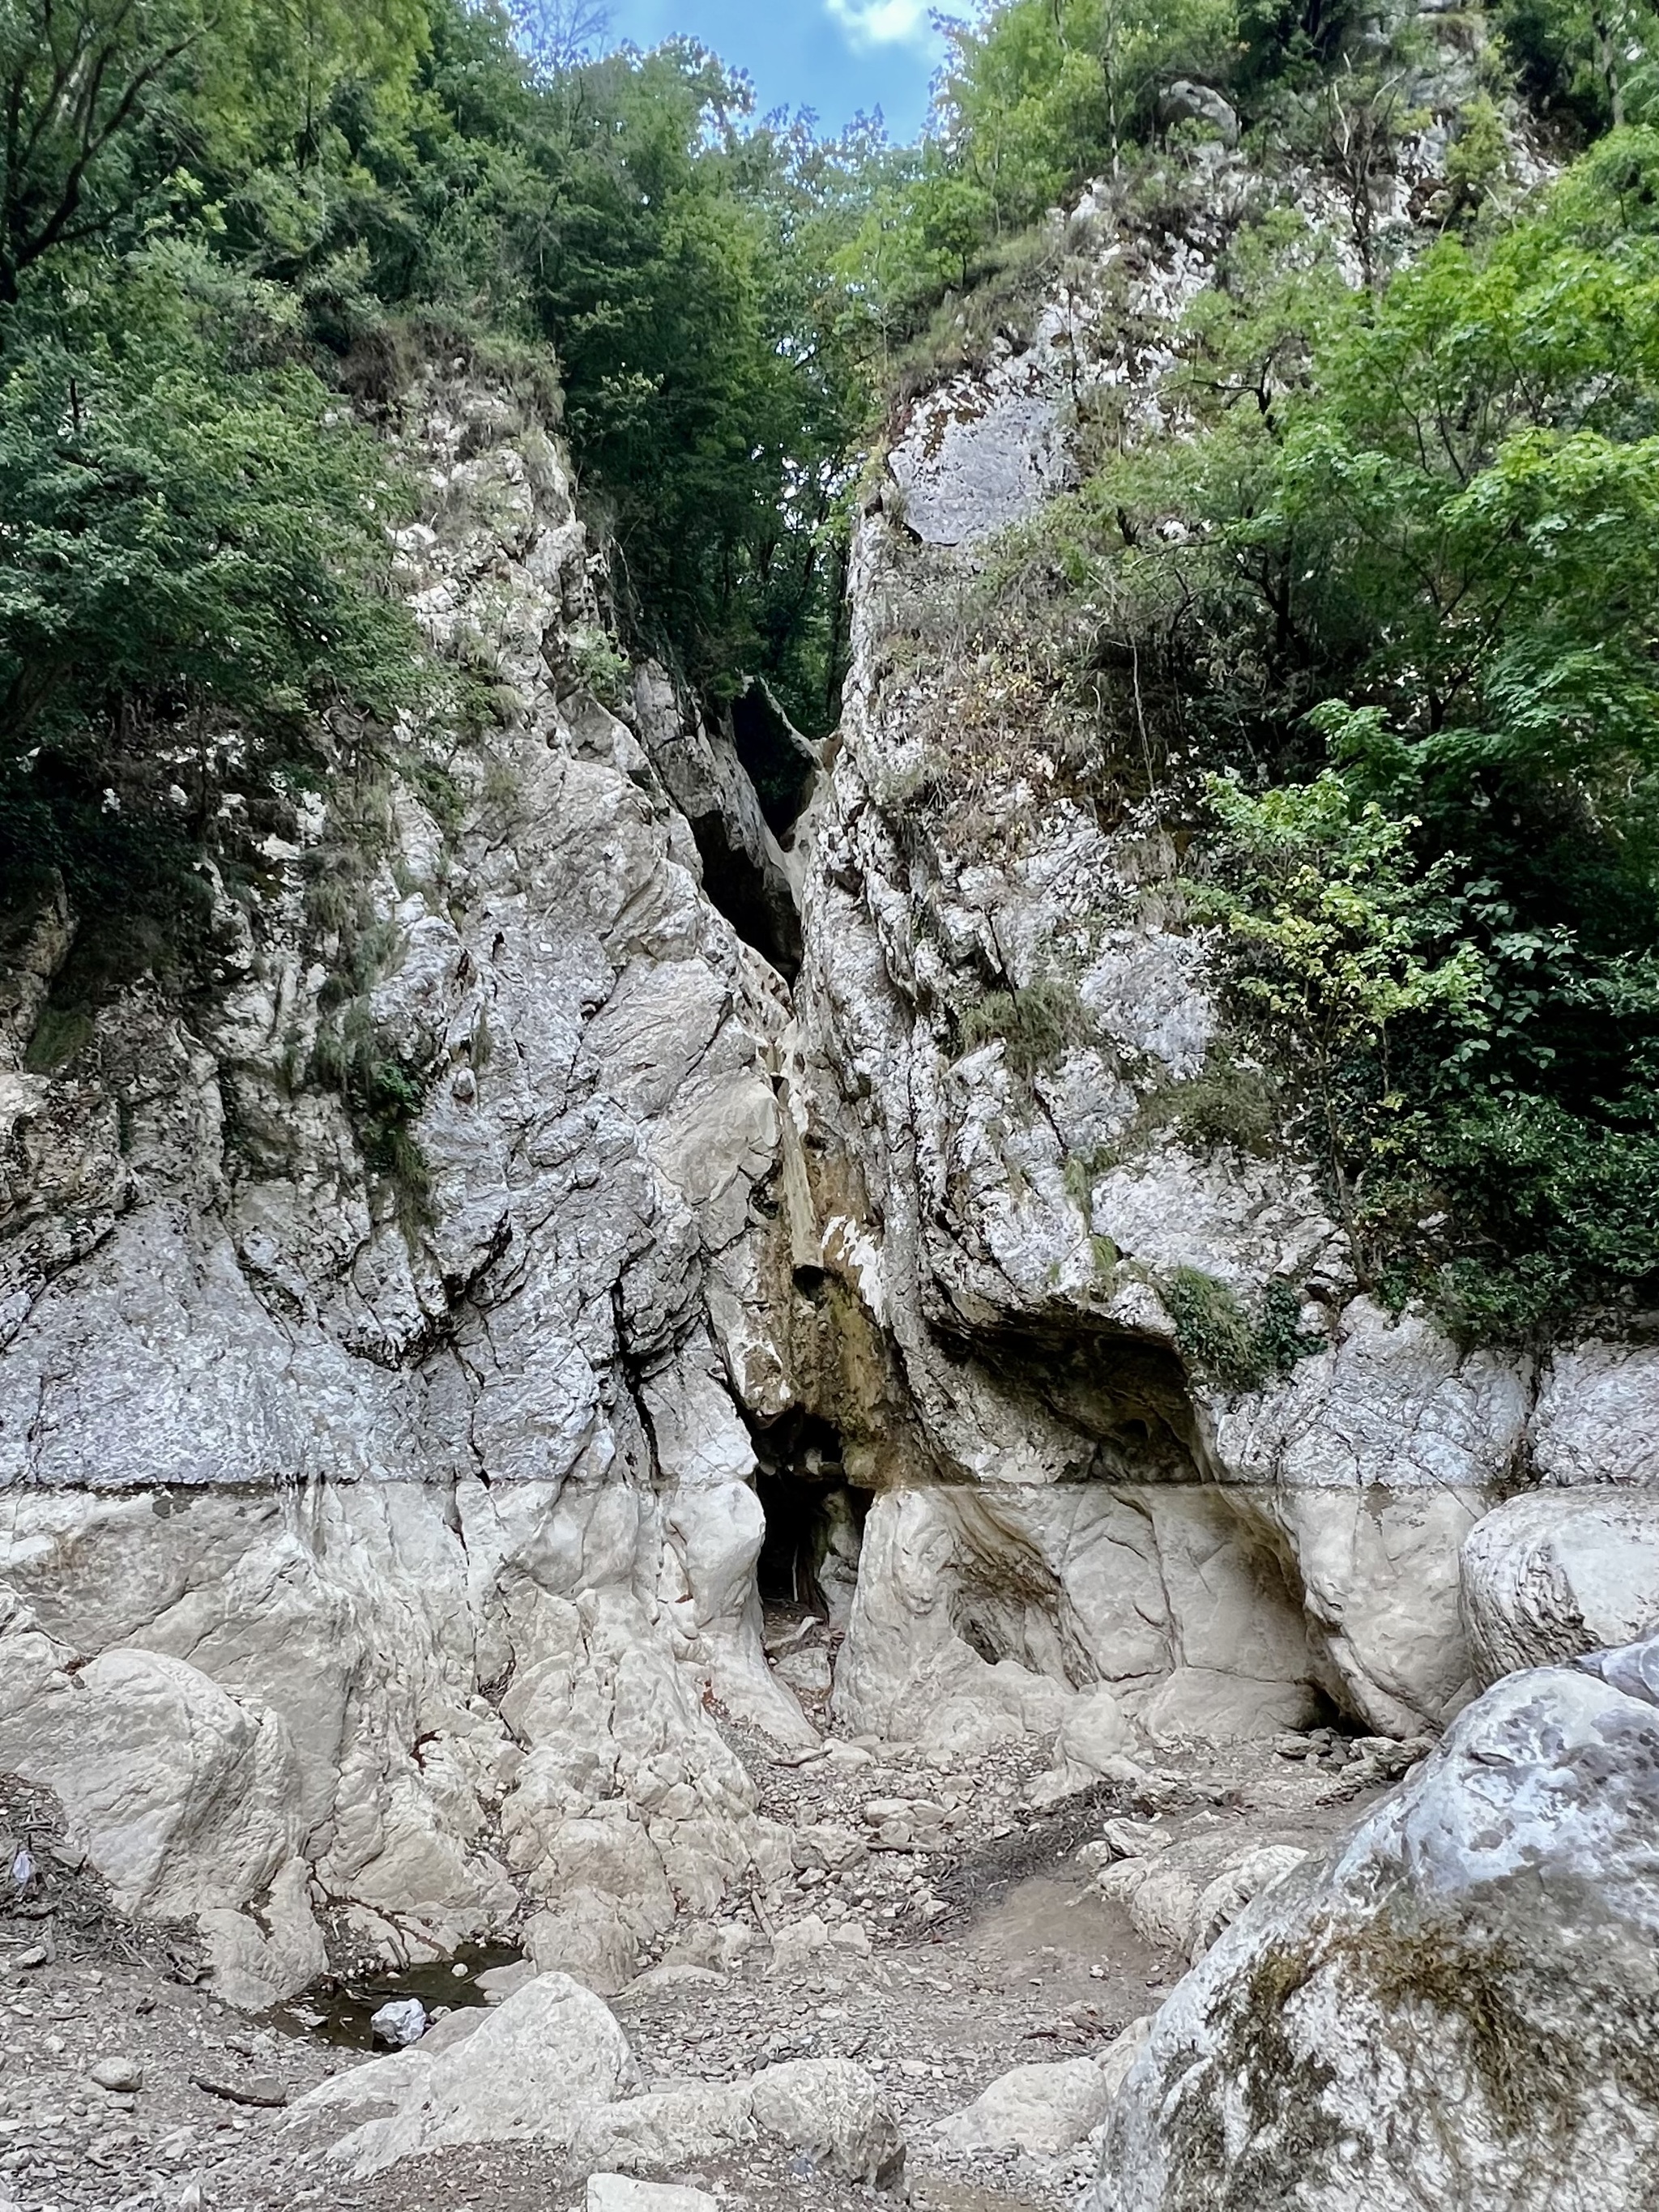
1335	935
1433	509
81	83
192	576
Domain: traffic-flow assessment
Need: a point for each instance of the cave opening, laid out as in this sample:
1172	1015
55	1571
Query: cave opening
1128	1396
808	1564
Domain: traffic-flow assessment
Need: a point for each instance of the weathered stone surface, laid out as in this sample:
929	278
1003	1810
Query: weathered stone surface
1480	1952
1181	1895
666	2130
1187	102
752	878
616	2193
1597	1418
831	2109
1042	2108
534	2067
358	1476
1240	1882
275	1951
182	1795
1153	1588
999	1224
1560	1574
122	2077
363	1622
834	2110
588	1935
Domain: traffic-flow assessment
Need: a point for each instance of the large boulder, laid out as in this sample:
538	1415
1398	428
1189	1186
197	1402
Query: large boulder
667	2130
834	2110
533	2069
831	2109
1043	2108
1559	1573
1187	102
182	1796
1456	2010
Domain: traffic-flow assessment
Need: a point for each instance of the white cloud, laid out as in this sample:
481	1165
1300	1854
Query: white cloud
883	22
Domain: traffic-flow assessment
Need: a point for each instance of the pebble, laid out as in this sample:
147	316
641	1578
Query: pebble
120	2075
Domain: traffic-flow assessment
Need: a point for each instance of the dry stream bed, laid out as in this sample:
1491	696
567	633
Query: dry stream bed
981	1944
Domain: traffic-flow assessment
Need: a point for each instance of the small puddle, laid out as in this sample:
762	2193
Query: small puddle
337	2012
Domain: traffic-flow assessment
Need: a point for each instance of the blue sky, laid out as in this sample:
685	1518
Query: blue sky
835	57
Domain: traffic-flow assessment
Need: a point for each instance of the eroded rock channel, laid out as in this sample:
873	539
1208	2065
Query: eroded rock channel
748	1548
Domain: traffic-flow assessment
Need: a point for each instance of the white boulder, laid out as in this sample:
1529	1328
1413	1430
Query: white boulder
834	2110
1557	1573
182	1796
666	2130
620	2192
1454	2010
1042	2108
831	2109
533	2069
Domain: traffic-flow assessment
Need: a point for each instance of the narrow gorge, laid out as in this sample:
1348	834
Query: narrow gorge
701	1401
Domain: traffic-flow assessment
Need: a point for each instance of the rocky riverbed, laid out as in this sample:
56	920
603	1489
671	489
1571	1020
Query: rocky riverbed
937	1932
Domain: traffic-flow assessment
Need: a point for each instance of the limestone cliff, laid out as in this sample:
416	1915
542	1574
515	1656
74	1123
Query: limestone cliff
1003	1054
382	1460
376	1502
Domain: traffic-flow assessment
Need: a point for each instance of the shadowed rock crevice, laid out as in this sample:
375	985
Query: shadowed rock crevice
1128	1397
740	784
814	1519
781	763
744	879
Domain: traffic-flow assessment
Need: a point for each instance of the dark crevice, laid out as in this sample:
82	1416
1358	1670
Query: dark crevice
1129	1394
814	1518
741	782
751	890
781	763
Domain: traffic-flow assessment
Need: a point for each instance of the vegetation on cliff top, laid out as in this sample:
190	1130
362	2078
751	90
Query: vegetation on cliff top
229	230
1389	596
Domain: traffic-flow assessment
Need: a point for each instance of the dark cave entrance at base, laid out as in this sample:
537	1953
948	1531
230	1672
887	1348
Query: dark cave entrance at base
814	1519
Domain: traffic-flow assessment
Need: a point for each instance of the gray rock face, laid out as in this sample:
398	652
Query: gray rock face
1559	1575
1187	102
532	2069
340	1520
1400	2026
750	876
1010	1284
999	1023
